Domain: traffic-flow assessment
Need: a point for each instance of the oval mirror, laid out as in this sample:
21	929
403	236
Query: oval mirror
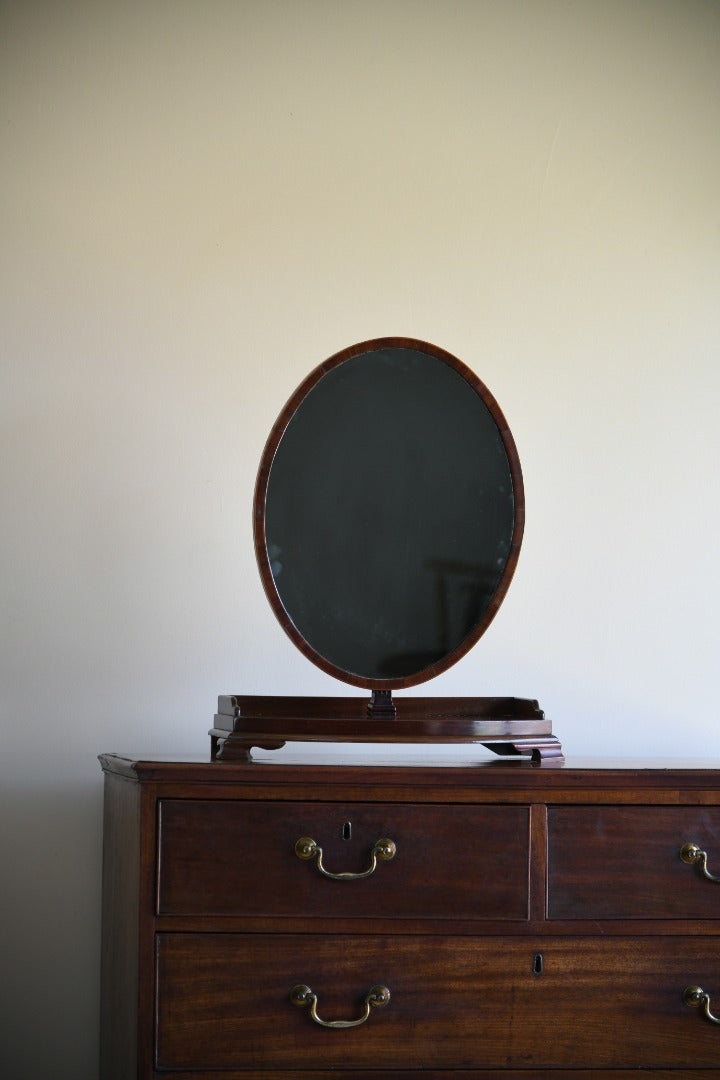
388	513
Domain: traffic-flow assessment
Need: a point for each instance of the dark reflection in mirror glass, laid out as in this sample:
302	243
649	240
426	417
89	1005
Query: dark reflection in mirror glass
389	513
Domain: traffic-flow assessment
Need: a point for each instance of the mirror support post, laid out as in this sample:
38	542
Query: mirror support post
381	705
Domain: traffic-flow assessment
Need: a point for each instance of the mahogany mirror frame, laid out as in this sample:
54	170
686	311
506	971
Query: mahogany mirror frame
261	487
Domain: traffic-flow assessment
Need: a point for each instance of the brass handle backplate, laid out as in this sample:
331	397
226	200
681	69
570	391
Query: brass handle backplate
377	997
307	848
691	854
695	996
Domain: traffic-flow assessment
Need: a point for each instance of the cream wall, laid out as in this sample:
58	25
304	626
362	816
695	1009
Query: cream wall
201	201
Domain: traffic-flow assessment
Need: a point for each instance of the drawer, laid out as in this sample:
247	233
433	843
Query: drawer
224	1002
623	862
234	857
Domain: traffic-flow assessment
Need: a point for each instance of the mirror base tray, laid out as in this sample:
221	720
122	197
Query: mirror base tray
507	726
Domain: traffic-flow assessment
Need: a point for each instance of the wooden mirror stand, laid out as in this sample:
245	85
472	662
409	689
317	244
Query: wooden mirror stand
388	517
507	726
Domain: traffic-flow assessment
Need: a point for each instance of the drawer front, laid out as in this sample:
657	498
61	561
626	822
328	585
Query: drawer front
238	858
623	862
224	1002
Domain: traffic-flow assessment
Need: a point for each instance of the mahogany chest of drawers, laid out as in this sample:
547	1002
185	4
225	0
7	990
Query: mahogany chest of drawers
299	922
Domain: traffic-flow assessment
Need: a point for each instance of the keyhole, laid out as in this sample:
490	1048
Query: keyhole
346	830
537	964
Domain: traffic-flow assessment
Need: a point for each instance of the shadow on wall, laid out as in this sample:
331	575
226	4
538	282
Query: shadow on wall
51	841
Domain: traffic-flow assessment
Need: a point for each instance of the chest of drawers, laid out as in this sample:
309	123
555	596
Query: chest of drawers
299	922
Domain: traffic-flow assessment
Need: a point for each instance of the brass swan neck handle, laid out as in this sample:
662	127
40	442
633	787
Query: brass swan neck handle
695	996
307	848
377	997
691	854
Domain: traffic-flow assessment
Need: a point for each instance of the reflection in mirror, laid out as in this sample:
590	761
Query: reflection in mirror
391	516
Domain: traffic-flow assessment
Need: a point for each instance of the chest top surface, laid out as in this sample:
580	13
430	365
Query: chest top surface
481	779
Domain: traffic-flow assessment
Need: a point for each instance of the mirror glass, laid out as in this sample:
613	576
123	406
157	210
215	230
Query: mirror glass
388	513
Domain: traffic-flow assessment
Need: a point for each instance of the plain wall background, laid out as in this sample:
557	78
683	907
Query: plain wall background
203	200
